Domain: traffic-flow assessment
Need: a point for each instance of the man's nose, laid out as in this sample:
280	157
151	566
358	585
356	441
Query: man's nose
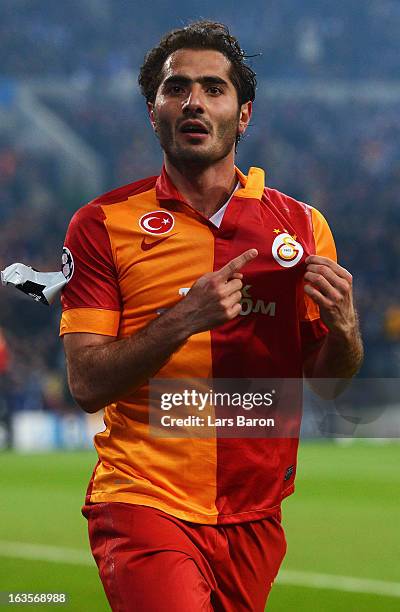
194	102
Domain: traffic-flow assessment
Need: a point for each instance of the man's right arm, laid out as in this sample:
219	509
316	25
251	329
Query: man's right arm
102	369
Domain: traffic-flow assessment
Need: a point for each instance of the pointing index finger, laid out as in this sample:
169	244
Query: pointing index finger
237	263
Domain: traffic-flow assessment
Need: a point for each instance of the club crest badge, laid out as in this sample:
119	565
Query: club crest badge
67	263
157	223
286	251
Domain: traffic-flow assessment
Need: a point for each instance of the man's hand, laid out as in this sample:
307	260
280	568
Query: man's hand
332	289
341	353
215	297
102	369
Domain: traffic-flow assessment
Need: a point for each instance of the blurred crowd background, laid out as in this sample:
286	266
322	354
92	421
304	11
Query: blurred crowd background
326	128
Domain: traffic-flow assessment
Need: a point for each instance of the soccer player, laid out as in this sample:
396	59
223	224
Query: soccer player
194	524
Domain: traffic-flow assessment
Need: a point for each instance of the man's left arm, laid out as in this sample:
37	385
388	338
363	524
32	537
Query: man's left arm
340	353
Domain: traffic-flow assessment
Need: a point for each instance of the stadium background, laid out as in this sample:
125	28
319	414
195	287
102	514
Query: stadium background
327	129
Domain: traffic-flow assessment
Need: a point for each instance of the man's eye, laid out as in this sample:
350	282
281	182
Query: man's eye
176	89
214	90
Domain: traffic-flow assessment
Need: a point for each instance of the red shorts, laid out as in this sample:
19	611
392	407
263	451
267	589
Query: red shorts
150	561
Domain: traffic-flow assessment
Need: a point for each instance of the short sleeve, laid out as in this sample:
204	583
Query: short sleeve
91	299
312	329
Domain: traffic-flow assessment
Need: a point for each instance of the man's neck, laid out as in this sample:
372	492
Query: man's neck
206	189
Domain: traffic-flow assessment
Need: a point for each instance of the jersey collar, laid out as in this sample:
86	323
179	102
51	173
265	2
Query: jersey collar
252	185
165	189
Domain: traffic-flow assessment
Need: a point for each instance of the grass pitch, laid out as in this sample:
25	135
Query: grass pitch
342	521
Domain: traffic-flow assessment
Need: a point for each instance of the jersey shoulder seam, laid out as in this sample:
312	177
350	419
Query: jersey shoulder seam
121	194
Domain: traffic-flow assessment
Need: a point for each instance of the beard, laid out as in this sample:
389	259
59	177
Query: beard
222	136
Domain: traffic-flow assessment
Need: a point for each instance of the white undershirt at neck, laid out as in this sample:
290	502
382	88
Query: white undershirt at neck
217	217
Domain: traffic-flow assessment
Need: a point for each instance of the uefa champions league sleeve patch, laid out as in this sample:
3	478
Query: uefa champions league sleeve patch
67	264
40	286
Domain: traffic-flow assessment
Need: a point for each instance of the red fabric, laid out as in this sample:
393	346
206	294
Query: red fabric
252	473
151	561
166	190
4	355
95	284
123	193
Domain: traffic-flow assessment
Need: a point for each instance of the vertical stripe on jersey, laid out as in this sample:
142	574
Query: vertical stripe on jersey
176	475
251	471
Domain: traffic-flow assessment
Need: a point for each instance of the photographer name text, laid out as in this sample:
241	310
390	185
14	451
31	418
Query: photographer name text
211	421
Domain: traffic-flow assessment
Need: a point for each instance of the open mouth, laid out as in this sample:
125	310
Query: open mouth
193	128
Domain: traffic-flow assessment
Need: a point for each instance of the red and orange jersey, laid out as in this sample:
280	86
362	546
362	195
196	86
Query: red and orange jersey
136	250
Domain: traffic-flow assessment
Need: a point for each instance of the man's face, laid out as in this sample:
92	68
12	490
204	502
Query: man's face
196	113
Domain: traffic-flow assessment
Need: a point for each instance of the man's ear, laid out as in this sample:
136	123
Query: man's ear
150	110
244	118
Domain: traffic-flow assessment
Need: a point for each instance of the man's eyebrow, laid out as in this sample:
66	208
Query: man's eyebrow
181	79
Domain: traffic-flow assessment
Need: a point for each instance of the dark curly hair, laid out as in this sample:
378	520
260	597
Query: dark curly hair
202	34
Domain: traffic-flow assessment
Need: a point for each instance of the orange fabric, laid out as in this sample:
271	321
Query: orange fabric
325	247
155	280
324	243
90	320
252	185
